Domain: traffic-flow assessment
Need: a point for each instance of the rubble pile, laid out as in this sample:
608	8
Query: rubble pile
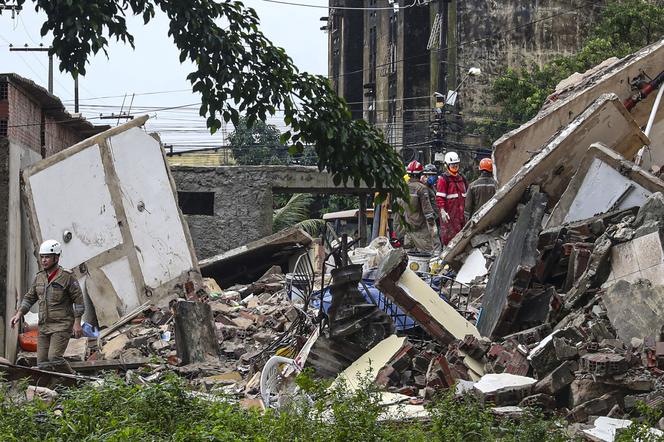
551	296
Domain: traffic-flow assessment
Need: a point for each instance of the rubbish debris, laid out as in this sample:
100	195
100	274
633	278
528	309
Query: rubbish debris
551	296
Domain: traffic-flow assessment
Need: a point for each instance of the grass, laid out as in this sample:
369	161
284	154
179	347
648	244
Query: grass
167	412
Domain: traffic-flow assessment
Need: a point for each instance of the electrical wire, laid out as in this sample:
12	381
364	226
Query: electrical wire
503	32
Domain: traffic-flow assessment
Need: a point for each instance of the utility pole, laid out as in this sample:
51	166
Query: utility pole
13	8
41	48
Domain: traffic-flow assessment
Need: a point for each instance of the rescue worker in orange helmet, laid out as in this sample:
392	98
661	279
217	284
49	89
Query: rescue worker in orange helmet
450	198
482	189
419	231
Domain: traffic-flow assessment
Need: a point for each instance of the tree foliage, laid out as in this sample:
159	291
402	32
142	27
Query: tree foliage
624	26
258	144
261	144
237	71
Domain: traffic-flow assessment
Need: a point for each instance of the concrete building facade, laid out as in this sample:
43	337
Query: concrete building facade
33	125
229	206
388	62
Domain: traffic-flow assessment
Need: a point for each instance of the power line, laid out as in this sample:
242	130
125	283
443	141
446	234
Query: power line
461	44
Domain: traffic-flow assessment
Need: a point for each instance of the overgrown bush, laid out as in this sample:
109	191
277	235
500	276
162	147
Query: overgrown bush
169	411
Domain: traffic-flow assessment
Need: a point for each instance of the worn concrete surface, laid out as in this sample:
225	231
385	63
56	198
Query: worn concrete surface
635	309
640	258
243	200
606	120
515	148
4	200
511	274
604	181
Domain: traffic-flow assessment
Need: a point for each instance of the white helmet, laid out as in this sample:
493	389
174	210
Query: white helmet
50	247
451	158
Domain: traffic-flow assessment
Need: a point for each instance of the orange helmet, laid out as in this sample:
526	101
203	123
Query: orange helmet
486	164
414	167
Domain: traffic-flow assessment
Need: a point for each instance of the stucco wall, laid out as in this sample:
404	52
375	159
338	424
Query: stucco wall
243	200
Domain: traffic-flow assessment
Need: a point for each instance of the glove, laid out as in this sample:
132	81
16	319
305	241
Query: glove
444	217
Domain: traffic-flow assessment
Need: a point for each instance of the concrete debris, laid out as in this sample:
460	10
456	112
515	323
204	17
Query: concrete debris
552	295
420	301
512	272
606	429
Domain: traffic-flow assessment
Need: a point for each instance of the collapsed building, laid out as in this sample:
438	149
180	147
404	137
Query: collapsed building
551	296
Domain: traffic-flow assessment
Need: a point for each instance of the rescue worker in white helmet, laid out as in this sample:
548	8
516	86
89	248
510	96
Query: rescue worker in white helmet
420	230
450	198
61	307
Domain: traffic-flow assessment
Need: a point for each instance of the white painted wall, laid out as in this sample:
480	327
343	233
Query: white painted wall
116	198
600	189
71	195
119	273
157	231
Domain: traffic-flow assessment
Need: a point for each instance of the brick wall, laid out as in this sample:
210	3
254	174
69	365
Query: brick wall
59	137
25	125
24	119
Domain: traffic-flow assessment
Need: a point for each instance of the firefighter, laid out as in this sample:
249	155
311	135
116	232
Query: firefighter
420	231
430	179
450	198
60	308
482	189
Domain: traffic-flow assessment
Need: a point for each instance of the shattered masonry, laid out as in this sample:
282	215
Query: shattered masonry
552	296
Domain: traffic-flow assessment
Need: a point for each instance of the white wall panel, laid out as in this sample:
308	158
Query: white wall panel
150	207
71	195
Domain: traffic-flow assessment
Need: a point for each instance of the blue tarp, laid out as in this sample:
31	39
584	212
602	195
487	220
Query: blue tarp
401	320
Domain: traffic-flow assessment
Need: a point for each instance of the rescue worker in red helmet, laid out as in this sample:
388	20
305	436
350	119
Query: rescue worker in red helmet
482	189
450	198
419	231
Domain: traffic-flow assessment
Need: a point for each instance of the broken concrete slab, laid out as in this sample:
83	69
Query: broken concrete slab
514	149
593	276
121	230
504	388
419	301
114	348
512	271
370	363
559	378
249	262
640	258
77	349
605	429
543	357
606	120
604	181
594	407
635	309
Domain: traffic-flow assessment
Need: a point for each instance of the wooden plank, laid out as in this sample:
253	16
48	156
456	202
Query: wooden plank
111	364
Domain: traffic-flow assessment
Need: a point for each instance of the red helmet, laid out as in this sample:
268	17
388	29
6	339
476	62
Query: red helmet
486	164
414	167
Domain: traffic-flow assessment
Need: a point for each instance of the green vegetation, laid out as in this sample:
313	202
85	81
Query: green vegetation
296	212
260	144
623	27
237	71
169	412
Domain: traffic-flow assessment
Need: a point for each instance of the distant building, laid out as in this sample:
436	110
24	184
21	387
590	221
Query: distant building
388	62
33	125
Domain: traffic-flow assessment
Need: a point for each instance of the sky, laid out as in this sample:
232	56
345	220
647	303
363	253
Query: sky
152	71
